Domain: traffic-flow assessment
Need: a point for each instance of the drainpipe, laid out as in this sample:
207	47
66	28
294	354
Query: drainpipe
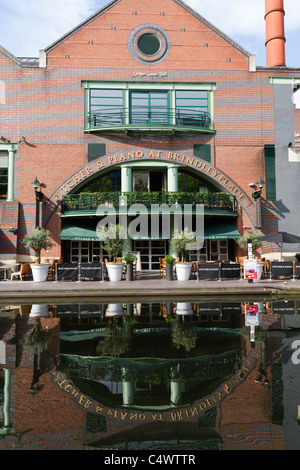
275	38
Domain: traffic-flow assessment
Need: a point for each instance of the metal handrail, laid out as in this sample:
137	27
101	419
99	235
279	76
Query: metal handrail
119	116
118	200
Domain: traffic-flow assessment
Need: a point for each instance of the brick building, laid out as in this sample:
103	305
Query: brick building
150	101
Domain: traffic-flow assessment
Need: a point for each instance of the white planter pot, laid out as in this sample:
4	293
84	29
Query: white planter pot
40	272
39	310
115	271
183	271
114	310
260	268
184	308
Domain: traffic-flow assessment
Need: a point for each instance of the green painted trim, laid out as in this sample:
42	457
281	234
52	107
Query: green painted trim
169	129
209	86
11	149
284	80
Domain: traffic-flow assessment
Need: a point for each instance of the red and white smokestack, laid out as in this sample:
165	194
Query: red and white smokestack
275	38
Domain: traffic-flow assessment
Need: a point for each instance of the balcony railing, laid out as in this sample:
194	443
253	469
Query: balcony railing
139	117
89	202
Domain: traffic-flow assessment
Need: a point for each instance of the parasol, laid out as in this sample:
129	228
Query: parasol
280	238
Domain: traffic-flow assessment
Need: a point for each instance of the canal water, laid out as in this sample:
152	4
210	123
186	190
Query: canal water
180	376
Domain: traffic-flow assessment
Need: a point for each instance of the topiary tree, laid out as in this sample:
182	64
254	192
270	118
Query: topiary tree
39	239
180	242
254	236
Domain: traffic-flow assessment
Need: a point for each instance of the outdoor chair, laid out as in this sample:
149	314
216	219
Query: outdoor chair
24	271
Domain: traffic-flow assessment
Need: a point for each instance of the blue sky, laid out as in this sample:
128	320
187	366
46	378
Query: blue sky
30	25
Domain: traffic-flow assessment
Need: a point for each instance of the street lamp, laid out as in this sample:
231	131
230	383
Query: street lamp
38	197
256	196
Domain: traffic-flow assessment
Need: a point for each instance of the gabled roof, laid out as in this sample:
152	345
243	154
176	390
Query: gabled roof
179	2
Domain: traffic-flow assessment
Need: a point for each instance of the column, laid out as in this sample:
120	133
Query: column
126	179
172	178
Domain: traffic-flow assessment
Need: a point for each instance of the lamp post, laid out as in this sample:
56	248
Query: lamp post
257	198
38	197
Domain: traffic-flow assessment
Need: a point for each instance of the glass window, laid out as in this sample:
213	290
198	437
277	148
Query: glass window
187	182
108	183
106	107
3	183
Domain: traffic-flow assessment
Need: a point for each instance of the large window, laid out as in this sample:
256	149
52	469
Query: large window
108	183
190	183
191	107
3	183
106	107
132	104
149	107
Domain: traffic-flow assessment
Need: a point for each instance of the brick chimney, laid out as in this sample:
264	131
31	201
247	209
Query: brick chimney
275	38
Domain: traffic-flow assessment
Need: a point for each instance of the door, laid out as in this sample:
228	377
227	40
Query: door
151	251
149	107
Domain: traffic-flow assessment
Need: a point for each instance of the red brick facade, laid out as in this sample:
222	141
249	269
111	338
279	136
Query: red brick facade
46	105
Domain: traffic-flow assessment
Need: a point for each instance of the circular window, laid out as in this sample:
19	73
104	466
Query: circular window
148	43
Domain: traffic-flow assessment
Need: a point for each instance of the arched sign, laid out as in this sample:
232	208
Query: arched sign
105	162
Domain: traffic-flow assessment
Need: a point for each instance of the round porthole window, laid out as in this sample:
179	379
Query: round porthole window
148	43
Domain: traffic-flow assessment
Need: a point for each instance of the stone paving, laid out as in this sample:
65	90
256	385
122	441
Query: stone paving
148	285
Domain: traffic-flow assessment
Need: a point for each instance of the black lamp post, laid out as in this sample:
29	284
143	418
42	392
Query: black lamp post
256	196
38	197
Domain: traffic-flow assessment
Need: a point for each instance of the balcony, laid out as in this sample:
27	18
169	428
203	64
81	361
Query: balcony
154	120
87	203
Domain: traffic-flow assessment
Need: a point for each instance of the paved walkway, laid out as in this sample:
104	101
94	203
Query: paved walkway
147	286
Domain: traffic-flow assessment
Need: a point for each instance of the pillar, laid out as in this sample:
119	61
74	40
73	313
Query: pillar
172	178
126	179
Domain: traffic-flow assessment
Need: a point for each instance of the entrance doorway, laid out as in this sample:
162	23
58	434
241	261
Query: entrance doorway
151	251
149	180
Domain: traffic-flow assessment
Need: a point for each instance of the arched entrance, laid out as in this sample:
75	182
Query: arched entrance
153	171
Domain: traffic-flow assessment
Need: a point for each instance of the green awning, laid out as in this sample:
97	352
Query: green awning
82	232
220	230
87	232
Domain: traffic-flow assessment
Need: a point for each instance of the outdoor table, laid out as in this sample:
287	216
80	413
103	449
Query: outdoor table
5	268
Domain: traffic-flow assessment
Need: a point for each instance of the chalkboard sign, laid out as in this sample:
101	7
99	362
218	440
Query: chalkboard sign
208	271
67	271
230	270
67	310
210	308
282	268
90	271
232	308
284	307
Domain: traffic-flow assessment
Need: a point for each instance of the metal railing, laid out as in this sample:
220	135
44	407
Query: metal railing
118	200
181	117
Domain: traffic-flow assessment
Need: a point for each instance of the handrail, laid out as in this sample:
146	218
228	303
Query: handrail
117	200
119	116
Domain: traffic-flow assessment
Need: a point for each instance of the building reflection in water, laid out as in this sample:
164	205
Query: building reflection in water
180	375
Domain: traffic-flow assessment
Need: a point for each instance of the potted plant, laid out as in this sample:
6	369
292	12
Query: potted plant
129	259
169	267
114	238
39	239
180	244
254	237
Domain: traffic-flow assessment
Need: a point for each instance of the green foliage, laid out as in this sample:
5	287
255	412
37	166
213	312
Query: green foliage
114	237
183	335
129	258
169	259
181	240
254	236
39	339
39	239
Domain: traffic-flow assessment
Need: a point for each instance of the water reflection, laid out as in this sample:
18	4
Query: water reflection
150	375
